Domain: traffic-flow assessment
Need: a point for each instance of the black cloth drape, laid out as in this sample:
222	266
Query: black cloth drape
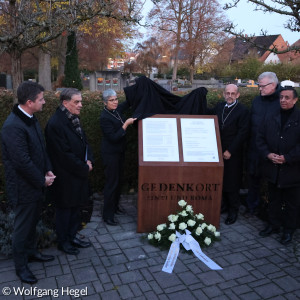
148	98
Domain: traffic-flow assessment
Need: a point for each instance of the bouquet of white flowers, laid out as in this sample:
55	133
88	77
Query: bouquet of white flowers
165	234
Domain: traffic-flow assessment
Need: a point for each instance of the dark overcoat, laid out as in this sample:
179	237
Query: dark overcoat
68	152
260	108
24	157
271	139
114	136
234	132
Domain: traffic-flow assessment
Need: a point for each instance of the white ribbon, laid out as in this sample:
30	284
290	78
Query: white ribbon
189	243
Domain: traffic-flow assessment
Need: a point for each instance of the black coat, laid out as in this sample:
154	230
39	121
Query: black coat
260	108
113	135
24	157
68	152
286	141
234	132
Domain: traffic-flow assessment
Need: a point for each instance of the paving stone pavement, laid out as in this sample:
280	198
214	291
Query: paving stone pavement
121	265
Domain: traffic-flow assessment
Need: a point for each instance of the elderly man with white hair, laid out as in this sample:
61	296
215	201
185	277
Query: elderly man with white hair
262	105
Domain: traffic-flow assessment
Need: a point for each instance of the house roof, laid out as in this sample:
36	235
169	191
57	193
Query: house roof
242	48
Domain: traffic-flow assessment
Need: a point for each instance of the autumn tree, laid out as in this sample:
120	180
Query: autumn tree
169	16
29	23
195	25
150	56
100	39
290	8
202	32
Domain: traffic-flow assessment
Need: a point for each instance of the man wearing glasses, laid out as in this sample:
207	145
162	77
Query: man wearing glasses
262	105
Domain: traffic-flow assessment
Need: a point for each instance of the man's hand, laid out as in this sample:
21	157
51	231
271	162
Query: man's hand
276	159
89	163
49	178
226	155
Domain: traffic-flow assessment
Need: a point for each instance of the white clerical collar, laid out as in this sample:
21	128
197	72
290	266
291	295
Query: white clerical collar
24	112
231	104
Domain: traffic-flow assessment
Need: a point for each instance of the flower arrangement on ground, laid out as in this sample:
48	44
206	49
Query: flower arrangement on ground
205	234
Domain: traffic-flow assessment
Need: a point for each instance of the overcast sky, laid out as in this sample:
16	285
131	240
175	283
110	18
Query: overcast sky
252	21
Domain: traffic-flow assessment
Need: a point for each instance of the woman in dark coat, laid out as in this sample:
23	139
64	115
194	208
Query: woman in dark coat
112	150
71	158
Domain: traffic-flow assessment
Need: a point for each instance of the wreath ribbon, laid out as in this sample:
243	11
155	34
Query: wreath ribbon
189	243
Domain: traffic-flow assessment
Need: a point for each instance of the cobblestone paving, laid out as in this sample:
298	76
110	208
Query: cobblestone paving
121	265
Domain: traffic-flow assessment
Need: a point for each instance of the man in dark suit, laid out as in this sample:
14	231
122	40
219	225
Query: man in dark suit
71	158
233	120
278	141
27	172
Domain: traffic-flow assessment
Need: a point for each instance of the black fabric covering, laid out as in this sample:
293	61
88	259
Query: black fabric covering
148	98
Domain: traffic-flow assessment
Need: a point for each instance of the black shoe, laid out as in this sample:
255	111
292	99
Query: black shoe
286	238
80	243
111	222
120	211
68	249
232	217
39	257
268	231
26	275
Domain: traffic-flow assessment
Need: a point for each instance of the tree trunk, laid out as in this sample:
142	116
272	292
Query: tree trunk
45	69
62	45
16	71
191	74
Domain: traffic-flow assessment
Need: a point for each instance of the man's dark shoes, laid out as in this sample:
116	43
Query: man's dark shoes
68	248
232	217
39	257
80	243
26	275
286	238
268	231
120	211
111	222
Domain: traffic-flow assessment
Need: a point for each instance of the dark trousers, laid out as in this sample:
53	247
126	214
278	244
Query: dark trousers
231	200
113	164
288	217
24	234
67	223
253	198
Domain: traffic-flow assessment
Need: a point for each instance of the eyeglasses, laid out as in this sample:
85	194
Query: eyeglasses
263	86
113	100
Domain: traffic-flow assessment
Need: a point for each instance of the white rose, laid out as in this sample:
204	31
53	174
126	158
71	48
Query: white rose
182	226
203	225
172	226
217	233
183	213
189	208
200	217
150	236
161	227
157	236
172	218
182	203
172	237
207	241
211	228
191	223
198	230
